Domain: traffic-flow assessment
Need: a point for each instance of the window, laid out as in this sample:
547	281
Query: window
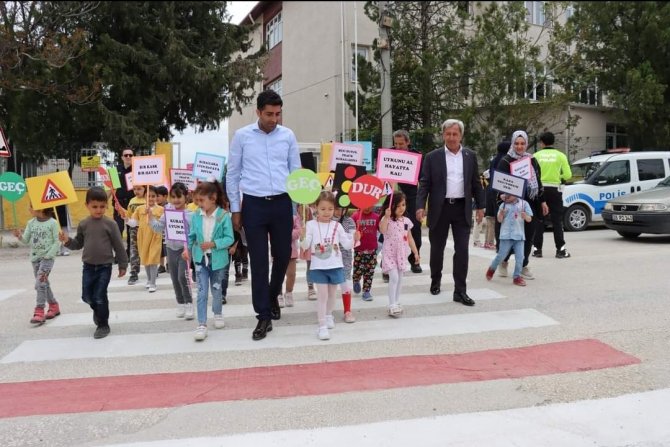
362	52
614	173
650	169
276	86
538	85
274	31
535	13
591	95
615	136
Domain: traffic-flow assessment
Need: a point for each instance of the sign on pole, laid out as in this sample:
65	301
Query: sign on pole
208	165
303	186
175	226
184	176
367	152
522	167
508	184
4	145
90	163
398	166
55	189
12	186
366	191
346	154
148	170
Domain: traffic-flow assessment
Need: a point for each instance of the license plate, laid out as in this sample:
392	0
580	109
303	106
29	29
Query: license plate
622	217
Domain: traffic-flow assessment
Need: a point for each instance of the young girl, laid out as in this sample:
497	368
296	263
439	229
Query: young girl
512	214
210	236
365	255
287	298
42	234
323	238
175	263
306	255
149	242
397	242
347	260
135	202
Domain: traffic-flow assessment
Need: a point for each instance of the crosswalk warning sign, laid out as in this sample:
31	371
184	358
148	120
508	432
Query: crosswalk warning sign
50	190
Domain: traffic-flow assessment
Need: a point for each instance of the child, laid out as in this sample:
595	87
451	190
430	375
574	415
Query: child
287	298
397	242
365	255
42	234
323	238
139	199
512	214
305	255
100	238
176	264
209	237
240	257
347	260
148	241
162	200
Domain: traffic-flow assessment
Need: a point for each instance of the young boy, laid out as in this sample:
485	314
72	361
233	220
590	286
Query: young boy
100	238
162	200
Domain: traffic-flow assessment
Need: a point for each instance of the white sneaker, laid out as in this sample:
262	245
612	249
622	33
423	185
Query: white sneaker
288	297
323	333
280	299
189	314
330	322
201	333
311	294
395	311
147	285
152	288
181	310
502	269
526	274
218	321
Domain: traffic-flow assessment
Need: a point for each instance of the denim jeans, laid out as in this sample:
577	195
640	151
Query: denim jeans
208	279
94	282
43	287
506	246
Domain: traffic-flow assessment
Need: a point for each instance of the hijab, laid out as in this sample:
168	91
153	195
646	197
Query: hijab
532	186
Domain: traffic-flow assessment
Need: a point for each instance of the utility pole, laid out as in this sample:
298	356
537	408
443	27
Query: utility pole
385	22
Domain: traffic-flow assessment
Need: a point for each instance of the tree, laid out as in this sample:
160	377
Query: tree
156	65
624	49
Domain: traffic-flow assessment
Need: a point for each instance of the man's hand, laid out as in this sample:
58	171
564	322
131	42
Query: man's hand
419	215
237	221
122	273
480	215
545	209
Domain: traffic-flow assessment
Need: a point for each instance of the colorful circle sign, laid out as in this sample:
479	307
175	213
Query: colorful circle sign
303	186
12	186
366	191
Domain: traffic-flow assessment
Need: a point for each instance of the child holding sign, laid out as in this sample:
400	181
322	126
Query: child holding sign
42	234
398	241
323	237
148	241
177	267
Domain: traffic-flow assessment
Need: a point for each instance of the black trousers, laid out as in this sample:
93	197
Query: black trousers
452	215
416	229
267	220
554	199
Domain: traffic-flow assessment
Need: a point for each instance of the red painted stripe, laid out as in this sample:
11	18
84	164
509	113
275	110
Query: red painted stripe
179	389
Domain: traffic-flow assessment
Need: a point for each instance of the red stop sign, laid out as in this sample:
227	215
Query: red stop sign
104	176
366	191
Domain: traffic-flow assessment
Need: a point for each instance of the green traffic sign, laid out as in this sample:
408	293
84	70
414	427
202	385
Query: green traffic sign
303	186
12	186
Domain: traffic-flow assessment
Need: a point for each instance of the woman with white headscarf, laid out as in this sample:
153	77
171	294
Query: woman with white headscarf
534	195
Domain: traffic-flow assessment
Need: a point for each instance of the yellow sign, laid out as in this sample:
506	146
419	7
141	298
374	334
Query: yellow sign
326	149
89	164
51	190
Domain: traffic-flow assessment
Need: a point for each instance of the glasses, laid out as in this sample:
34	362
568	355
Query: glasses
127	155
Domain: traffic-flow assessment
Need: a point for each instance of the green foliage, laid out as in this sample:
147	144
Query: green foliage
146	67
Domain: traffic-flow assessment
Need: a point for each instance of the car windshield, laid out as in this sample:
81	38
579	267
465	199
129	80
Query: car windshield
664	183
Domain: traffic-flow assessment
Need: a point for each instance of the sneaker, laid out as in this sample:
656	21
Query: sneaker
477	244
152	288
519	281
132	280
147	285
330	322
489	274
526	274
288	297
562	253
245	273
357	287
54	311
323	333
537	253
490	246
189	314
38	316
385	277
218	321
181	310
502	269
101	332
311	294
367	296
349	317
280	300
395	311
161	269
201	333
238	280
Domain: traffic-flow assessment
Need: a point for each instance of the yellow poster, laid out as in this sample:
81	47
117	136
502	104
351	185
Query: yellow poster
51	190
90	164
326	149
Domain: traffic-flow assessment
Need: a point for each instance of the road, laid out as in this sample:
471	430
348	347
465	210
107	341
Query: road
578	357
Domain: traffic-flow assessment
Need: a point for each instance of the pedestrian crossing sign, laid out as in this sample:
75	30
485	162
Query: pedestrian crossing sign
50	190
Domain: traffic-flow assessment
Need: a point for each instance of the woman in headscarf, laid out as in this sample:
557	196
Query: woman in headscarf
534	195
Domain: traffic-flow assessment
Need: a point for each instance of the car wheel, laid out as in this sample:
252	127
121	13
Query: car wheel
628	234
576	218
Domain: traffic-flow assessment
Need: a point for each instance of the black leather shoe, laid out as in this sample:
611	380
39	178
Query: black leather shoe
435	287
275	313
463	298
416	268
262	328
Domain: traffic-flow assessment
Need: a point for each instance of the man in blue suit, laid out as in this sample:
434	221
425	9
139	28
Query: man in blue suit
449	182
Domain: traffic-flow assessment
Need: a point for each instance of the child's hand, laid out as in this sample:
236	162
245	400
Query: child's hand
387	213
357	236
232	249
207	246
63	237
184	255
523	215
18	233
122	273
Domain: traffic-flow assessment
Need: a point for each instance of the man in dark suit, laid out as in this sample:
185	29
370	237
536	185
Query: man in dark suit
450	182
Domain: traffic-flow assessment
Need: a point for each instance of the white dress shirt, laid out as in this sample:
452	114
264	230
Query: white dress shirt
455	180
